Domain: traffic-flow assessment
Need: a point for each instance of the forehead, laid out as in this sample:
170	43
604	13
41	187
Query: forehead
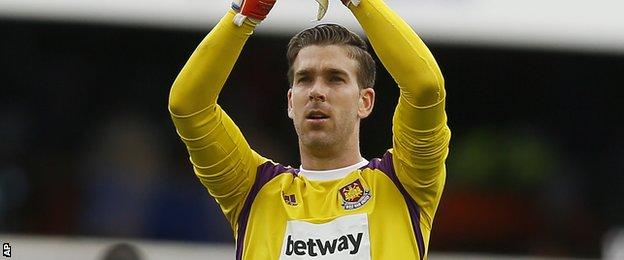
322	58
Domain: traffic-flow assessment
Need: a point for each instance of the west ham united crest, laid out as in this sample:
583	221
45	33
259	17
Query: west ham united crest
354	195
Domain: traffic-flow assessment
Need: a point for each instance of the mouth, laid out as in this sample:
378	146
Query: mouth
316	116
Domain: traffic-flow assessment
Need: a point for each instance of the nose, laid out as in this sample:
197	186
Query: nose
317	92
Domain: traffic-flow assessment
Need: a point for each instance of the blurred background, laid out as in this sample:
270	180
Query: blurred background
534	103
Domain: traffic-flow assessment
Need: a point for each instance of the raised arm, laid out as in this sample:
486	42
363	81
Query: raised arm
420	134
221	158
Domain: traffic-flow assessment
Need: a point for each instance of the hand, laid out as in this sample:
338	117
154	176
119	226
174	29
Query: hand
355	2
323	4
254	10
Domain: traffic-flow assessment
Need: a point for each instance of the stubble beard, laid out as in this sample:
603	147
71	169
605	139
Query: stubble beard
329	139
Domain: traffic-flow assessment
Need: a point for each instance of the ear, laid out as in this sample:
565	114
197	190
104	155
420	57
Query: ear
290	106
366	102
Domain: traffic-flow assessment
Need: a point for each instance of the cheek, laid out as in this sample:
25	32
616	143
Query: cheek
348	111
297	102
351	103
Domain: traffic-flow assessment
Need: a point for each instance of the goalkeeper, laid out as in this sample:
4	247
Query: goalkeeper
337	204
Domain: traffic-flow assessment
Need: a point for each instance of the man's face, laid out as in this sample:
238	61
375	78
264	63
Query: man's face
325	102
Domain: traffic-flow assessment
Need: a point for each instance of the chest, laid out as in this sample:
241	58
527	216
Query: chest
328	220
300	199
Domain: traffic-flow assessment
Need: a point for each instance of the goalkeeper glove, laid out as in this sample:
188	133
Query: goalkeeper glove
324	4
254	10
355	2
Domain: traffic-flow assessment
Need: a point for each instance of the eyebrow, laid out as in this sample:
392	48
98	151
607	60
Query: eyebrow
337	72
303	72
333	71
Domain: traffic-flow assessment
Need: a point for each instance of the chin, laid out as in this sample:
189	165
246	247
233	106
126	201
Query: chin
318	141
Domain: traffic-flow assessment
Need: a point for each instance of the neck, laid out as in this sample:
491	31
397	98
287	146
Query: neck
339	155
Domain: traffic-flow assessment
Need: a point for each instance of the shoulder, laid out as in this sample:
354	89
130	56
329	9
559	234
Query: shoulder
383	164
269	170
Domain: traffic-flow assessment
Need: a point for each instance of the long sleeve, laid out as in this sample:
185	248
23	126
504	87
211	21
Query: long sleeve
420	134
221	157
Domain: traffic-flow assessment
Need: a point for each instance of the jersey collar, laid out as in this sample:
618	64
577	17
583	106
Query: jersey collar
328	175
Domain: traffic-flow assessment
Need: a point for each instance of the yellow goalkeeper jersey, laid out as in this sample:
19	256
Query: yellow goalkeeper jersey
377	209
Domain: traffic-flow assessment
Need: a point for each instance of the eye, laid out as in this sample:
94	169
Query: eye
336	79
303	80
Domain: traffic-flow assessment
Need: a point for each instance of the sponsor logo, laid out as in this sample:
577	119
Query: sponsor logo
343	238
354	195
290	199
316	247
6	250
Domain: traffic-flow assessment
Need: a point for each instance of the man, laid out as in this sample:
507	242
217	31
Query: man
337	205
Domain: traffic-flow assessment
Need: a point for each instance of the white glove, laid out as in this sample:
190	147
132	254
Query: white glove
323	5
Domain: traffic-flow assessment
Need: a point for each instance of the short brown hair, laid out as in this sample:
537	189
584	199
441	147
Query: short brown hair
333	34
